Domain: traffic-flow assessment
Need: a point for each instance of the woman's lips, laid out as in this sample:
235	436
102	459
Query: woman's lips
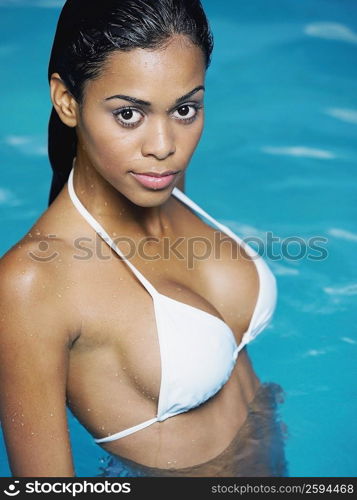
155	181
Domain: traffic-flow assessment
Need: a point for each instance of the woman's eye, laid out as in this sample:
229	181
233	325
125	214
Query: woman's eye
128	117
186	112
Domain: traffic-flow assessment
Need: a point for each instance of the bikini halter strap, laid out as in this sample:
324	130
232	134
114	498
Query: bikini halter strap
105	236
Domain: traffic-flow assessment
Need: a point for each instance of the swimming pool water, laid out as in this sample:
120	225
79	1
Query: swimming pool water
278	155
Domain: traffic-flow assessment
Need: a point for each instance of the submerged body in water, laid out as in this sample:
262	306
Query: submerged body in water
257	450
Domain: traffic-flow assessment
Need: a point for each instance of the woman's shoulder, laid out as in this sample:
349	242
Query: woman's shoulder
35	253
46	248
33	278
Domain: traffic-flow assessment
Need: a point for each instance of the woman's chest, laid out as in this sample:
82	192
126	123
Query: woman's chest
127	332
174	352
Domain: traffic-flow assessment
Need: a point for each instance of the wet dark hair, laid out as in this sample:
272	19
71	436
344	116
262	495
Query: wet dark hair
88	31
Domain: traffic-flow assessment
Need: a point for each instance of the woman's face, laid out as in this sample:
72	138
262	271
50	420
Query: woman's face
144	114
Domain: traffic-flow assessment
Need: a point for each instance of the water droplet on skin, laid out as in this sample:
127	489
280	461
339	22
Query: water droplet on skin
22	424
102	427
51	414
59	295
92	185
117	375
105	203
88	409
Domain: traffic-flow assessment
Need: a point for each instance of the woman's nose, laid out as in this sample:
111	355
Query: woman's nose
159	140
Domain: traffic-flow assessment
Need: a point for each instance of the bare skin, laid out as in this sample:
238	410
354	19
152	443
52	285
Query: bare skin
81	331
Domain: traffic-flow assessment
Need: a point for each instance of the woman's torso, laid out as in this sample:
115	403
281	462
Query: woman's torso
114	371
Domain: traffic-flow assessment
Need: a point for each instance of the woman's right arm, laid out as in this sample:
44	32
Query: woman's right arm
34	354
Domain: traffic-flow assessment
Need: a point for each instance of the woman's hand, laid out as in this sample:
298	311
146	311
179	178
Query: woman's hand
34	354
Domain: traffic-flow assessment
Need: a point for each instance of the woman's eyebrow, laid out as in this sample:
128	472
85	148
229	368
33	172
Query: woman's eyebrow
135	100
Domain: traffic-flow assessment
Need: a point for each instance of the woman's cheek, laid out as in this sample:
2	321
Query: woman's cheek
193	136
112	142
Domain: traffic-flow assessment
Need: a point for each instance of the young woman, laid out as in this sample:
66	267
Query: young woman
116	303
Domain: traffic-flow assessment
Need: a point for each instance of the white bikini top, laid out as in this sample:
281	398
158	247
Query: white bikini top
198	350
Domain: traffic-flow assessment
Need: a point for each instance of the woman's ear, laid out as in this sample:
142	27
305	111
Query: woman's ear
63	101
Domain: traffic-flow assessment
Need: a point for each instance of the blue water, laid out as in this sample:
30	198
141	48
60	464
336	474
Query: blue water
278	155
